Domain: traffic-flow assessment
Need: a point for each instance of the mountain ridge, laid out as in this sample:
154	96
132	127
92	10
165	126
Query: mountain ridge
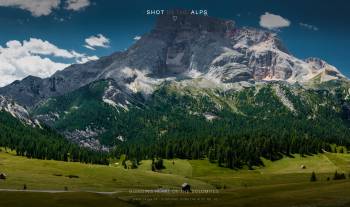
191	47
232	96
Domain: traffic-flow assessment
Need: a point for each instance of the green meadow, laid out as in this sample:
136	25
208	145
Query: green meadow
279	183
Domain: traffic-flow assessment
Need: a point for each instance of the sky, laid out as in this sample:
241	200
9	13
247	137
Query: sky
39	37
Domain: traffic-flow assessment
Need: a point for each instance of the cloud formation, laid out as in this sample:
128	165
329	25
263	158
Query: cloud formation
97	41
137	37
77	5
35	7
34	57
308	26
273	21
44	7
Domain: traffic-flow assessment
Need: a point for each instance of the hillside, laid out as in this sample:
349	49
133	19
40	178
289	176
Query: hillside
42	142
273	117
201	174
273	184
198	87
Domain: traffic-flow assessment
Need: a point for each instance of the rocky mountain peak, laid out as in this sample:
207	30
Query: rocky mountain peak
323	70
182	47
316	62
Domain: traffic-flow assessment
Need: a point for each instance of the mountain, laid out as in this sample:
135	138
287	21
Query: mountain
195	87
191	47
17	111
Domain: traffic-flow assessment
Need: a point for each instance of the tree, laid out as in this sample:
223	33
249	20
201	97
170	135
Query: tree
313	177
339	176
157	164
211	155
134	164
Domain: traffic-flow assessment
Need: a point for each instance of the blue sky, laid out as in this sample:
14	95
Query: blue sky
68	23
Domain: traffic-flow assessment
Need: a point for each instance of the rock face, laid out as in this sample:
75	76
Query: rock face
17	111
188	47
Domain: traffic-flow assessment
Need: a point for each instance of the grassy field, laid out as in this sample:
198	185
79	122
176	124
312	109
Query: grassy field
278	183
54	175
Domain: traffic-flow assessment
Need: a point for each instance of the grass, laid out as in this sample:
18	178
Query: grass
278	183
178	167
340	160
55	175
319	163
77	199
284	171
332	194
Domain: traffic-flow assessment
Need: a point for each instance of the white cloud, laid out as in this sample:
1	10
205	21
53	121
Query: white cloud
97	41
308	26
137	38
77	5
20	59
44	7
40	47
89	47
273	21
86	59
36	7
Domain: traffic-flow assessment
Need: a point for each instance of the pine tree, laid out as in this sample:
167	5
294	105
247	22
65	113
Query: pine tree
313	177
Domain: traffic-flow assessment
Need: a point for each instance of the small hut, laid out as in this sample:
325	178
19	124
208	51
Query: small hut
2	176
186	187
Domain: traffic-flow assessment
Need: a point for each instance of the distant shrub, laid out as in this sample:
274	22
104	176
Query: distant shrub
313	177
339	176
72	176
217	186
128	164
134	164
157	164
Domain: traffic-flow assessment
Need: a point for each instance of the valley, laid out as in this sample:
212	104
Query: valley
195	88
282	181
196	103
